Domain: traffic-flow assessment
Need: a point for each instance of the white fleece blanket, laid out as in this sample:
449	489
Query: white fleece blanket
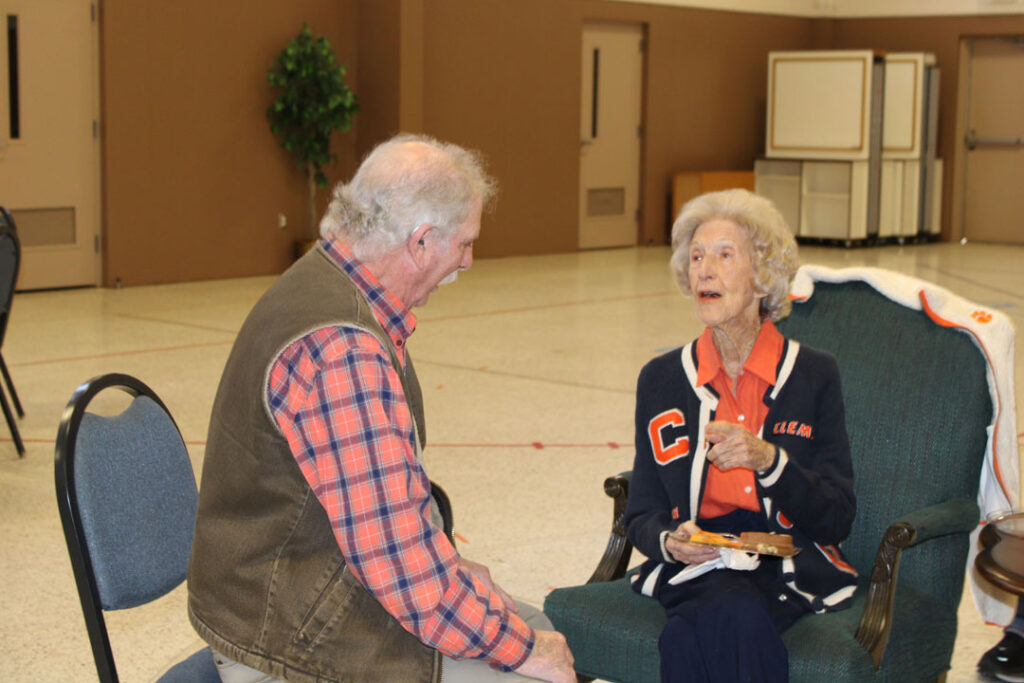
993	333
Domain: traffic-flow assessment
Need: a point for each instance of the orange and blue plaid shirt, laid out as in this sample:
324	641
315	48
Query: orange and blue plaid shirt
339	402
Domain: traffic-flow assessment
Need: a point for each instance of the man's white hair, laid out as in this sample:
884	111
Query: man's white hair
406	182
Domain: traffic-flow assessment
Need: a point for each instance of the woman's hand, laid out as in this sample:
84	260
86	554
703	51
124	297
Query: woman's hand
734	446
690	553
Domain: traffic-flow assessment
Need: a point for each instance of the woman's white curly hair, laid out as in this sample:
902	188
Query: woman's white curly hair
406	182
774	250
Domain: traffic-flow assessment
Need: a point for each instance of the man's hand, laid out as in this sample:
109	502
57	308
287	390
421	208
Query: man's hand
550	659
734	446
484	575
690	553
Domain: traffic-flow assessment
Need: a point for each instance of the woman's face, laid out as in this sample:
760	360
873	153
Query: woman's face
722	275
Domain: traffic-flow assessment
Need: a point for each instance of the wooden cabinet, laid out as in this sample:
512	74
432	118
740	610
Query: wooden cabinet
834	200
829	200
688	184
779	180
911	82
824	104
823	200
850	144
909	166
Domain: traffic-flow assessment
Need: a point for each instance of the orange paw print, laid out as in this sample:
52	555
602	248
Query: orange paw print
982	316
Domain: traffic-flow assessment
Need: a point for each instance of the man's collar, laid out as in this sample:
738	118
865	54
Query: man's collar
394	316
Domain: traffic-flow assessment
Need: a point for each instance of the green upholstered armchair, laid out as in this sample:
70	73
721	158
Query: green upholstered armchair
917	407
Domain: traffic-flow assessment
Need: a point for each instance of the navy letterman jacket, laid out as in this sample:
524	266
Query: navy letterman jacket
807	492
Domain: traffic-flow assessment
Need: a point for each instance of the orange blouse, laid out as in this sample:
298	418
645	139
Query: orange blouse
727	491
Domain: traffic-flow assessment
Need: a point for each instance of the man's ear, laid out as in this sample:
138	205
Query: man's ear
416	245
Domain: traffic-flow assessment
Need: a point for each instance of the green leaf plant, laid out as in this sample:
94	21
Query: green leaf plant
312	102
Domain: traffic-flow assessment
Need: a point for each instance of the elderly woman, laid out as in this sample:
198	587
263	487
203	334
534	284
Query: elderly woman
740	430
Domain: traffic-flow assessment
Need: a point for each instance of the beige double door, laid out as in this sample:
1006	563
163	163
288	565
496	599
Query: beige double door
610	134
993	139
49	138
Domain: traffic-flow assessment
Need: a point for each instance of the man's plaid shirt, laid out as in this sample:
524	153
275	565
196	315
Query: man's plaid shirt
340	404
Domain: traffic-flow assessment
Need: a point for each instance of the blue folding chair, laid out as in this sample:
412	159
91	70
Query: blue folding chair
127	499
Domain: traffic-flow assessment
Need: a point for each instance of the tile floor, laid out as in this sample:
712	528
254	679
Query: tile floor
528	366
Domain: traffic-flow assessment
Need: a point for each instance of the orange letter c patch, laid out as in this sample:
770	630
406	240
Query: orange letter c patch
668	436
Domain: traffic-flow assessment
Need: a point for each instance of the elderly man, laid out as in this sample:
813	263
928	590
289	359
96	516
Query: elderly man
318	552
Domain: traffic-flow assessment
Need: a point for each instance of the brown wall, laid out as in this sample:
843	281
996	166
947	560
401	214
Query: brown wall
941	36
193	180
504	76
379	72
501	81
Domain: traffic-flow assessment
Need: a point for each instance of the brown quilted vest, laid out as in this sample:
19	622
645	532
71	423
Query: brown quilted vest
267	584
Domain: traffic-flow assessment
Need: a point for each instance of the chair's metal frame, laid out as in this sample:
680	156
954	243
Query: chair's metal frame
9	231
67	504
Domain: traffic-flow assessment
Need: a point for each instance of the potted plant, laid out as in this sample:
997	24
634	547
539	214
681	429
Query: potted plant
312	102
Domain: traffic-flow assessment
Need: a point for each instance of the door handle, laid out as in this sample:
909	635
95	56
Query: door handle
972	141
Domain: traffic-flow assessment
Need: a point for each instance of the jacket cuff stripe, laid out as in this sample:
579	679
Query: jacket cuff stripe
664	551
771	476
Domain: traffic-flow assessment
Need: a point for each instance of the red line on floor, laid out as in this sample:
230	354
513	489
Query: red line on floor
536	445
37	440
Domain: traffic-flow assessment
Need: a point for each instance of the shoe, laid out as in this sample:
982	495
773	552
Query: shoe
1005	661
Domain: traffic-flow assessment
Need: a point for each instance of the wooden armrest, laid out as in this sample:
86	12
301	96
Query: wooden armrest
953	516
616	554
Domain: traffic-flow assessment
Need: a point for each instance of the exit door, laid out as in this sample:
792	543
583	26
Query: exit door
994	140
49	138
610	134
